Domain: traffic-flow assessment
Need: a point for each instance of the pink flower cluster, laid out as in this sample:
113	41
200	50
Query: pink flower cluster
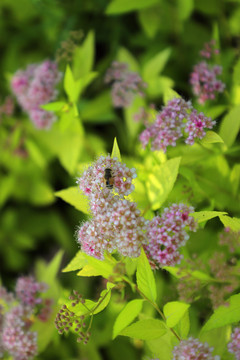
125	84
17	315
230	239
193	349
175	119
34	87
209	49
29	291
203	79
166	234
17	339
116	223
234	344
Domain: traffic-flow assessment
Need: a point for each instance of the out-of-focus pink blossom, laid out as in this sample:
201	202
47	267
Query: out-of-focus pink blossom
193	349
234	344
126	84
36	86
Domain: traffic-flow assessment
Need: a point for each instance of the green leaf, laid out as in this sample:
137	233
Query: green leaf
48	272
103	301
174	311
159	85
145	278
98	109
196	274
35	153
183	327
215	111
235	178
211	137
132	126
54	106
230	126
125	56
163	346
145	329
185	8
41	193
78	262
149	20
83	57
115	150
201	216
217	339
236	73
224	315
74	197
160	182
123	6
233	223
97	267
69	84
126	316
170	94
155	65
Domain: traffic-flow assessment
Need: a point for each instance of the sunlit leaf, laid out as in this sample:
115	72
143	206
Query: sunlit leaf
145	278
74	197
123	6
145	329
78	262
115	150
230	126
232	223
127	315
155	65
174	311
201	216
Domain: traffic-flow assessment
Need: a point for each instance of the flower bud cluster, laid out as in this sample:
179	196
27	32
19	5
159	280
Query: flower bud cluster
66	319
16	317
177	118
125	84
34	87
116	223
234	344
192	349
167	233
203	79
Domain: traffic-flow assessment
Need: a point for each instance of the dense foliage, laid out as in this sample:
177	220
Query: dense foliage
119	179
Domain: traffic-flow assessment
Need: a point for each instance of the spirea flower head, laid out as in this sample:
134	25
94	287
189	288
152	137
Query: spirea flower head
230	238
17	339
167	233
29	291
118	226
175	119
203	79
125	84
93	180
193	349
37	86
234	344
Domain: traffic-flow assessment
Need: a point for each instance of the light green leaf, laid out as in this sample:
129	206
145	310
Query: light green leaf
126	316
233	223
69	84
102	268
174	311
155	65
41	193
115	150
201	216
7	184
98	109
48	272
183	327
83	57
74	197
145	329
217	339
158	85
125	56
236	73
224	315
235	178
103	301
215	111
133	127
230	126
161	181
149	20
196	274
211	137
123	6
185	8
35	153
54	106
145	278
163	346
170	94
78	262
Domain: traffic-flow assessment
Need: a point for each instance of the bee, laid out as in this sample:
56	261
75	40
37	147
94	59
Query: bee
109	178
